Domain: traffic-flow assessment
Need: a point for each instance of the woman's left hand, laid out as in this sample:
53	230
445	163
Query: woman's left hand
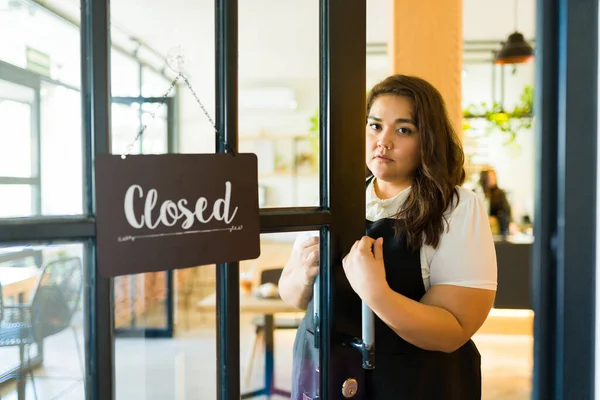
364	267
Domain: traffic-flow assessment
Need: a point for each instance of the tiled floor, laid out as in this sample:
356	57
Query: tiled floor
185	368
61	375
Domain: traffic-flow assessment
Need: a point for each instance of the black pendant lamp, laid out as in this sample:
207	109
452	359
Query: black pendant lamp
516	50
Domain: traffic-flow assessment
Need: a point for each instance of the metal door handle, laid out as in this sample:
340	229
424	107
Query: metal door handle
368	337
316	309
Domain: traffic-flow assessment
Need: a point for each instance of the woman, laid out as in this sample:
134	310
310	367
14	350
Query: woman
496	203
427	268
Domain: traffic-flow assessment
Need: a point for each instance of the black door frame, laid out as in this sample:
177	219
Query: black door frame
564	270
341	183
341	175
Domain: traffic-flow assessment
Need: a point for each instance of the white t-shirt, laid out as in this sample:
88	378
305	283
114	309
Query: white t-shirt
465	256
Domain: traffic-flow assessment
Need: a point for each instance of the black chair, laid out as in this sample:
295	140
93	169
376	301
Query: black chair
54	302
15	330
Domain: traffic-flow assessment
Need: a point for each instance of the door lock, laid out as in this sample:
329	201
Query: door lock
349	388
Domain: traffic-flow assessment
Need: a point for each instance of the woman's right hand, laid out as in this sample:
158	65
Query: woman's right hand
305	259
298	275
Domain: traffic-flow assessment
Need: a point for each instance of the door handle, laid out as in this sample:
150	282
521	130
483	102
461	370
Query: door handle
316	309
368	337
366	345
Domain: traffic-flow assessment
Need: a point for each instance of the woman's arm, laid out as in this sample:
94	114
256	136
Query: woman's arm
297	277
462	274
444	320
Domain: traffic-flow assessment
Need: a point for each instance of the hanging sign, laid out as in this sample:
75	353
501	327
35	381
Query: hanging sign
162	212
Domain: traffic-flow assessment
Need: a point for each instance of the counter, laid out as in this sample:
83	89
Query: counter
514	258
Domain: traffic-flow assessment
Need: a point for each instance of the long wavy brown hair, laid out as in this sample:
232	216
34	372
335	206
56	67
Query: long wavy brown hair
433	192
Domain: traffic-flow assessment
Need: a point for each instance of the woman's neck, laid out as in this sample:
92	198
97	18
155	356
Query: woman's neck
387	190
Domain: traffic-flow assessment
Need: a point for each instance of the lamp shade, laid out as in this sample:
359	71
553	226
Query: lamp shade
516	50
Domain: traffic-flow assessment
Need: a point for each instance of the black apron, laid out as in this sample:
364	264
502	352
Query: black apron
402	370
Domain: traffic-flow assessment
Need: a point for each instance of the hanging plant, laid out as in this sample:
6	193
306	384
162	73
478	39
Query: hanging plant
509	122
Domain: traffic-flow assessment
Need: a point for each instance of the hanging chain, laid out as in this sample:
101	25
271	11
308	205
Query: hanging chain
153	115
176	60
187	82
212	123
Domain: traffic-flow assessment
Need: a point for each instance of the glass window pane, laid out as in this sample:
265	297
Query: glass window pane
125	75
40	119
141	301
153	84
176	363
155	138
279	99
16	201
55	351
125	127
62	156
56	55
15	130
259	281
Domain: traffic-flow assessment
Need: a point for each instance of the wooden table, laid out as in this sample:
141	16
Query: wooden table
267	307
249	304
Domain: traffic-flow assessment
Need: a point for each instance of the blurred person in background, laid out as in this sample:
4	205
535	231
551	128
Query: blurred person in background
497	204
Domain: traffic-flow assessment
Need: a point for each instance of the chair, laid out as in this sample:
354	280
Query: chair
16	331
54	301
262	276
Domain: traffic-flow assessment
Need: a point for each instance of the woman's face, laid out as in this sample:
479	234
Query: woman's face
492	180
392	141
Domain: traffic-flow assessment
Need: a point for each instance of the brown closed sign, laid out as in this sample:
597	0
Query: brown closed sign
163	212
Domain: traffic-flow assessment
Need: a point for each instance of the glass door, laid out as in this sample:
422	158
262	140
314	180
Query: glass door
143	303
565	254
342	33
